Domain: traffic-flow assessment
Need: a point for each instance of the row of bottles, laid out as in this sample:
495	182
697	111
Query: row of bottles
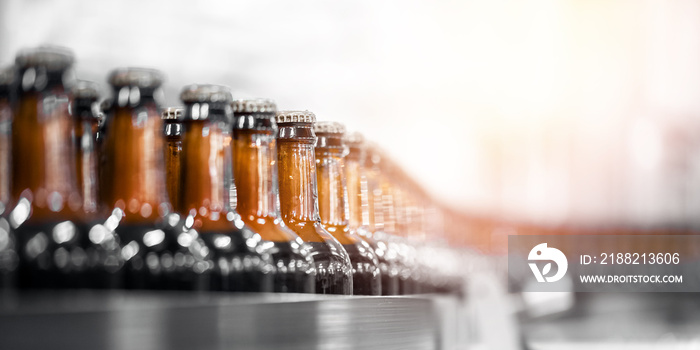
221	194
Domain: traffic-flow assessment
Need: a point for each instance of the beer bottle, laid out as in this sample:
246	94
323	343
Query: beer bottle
333	207
8	250
172	116
255	176
382	204
60	245
408	224
360	203
85	95
159	252
299	201
242	261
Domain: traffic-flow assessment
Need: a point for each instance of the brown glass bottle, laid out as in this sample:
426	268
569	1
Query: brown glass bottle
361	217
172	116
59	244
334	211
8	249
85	95
299	201
382	204
255	176
159	252
408	226
242	260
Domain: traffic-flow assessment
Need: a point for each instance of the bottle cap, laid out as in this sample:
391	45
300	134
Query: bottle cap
86	90
254	114
140	77
325	127
258	105
52	58
295	117
205	93
355	139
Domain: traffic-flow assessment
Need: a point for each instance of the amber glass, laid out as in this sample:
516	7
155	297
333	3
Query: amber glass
242	262
362	217
8	249
255	175
299	207
395	228
426	274
407	227
160	253
56	235
383	214
84	132
173	148
333	209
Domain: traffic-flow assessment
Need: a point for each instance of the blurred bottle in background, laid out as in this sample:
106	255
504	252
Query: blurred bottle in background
361	215
241	260
400	199
85	95
8	249
172	117
299	201
386	210
58	246
333	207
408	224
159	252
255	176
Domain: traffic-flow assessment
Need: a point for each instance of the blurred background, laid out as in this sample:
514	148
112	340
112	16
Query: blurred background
550	112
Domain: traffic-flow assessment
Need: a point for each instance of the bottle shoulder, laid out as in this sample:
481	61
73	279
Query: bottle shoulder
270	229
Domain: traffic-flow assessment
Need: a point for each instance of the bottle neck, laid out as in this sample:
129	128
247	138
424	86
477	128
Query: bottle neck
297	173
332	191
132	161
173	148
358	190
203	175
85	125
255	173
42	150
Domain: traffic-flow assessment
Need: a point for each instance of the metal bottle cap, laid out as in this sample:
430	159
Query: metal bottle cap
325	127
258	105
52	58
254	114
205	93
295	117
139	77
87	90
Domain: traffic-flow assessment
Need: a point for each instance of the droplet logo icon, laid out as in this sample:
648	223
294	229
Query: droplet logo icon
543	253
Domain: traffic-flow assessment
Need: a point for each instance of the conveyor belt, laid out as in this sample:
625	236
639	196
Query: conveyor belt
170	320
